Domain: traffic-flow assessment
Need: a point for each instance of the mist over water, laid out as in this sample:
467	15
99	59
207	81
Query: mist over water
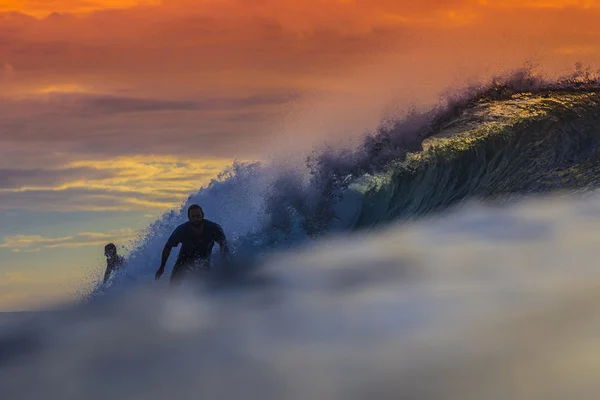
487	302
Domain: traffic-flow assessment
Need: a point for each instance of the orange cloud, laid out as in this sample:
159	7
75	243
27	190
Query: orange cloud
83	239
42	9
297	15
126	183
290	15
342	15
585	4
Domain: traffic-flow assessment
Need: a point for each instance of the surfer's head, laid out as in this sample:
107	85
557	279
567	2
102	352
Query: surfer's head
195	214
110	250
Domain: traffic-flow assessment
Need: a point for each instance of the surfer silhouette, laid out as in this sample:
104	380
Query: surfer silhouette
197	237
113	260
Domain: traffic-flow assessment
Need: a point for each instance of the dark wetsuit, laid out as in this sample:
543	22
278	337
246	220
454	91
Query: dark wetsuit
112	265
196	247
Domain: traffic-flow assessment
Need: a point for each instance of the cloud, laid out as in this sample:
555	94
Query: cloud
48	7
236	45
193	20
84	199
16	178
123	184
99	126
227	48
83	239
310	15
234	37
101	105
558	4
91	104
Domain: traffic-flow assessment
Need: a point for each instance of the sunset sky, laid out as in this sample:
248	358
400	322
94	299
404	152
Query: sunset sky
114	111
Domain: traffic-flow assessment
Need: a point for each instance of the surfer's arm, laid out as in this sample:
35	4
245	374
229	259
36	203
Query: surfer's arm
224	248
165	255
173	241
221	240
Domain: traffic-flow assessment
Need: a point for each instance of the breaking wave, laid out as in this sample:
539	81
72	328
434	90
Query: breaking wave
518	135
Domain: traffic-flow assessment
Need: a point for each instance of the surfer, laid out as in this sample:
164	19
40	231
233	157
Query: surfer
197	237
113	260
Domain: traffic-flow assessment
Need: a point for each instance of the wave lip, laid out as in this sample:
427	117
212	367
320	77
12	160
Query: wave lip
530	143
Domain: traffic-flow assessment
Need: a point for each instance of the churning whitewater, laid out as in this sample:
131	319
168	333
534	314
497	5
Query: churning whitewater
452	256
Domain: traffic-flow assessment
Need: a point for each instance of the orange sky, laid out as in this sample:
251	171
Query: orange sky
41	8
159	77
184	50
307	11
269	52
